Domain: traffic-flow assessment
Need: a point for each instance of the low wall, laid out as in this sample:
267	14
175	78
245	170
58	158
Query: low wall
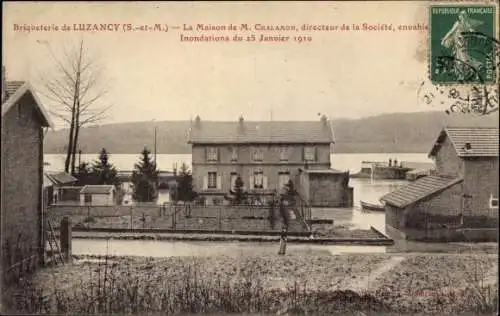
445	234
418	220
257	237
154	210
191	231
103	211
231	211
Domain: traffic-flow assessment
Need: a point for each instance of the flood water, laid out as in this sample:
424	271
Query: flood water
152	248
364	189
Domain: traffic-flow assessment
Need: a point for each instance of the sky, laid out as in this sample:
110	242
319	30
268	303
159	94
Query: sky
155	76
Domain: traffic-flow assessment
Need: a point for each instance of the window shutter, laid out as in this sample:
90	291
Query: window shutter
219	182
264	182
251	185
206	154
217	151
315	153
205	182
304	153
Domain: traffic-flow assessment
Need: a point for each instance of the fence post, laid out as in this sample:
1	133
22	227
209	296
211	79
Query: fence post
131	213
173	216
283	239
219	215
65	237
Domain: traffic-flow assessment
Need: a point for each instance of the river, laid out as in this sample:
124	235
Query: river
344	162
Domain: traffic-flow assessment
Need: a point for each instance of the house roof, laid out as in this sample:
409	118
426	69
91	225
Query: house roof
60	177
212	132
483	141
14	91
47	182
11	87
419	189
96	189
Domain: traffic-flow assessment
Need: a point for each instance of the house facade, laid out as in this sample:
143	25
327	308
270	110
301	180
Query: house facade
22	211
460	201
265	155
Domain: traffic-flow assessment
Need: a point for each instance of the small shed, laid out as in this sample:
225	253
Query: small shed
98	195
425	209
325	187
60	188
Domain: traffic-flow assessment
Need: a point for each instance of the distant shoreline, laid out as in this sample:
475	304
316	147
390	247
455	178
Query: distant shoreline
384	134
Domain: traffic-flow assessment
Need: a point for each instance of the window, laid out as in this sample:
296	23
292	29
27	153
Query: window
88	198
257	154
493	203
283	178
258	180
212	180
211	154
234	176
309	154
284	153
234	153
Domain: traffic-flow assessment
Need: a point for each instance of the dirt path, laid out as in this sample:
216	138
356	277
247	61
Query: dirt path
363	283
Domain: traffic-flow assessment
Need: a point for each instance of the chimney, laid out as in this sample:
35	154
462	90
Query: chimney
197	121
324	119
468	147
241	126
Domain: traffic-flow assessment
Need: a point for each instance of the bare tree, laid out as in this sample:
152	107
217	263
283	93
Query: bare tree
75	88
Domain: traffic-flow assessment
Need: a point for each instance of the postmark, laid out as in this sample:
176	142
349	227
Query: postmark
459	52
475	100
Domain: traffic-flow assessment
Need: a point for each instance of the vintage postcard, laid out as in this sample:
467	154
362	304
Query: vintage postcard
250	158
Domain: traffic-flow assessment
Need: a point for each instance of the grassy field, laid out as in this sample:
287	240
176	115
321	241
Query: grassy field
297	284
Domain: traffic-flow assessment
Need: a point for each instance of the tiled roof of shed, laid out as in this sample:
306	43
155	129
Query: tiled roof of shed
483	141
61	177
96	189
419	190
261	132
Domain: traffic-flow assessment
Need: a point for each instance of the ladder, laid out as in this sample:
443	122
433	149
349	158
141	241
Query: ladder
54	247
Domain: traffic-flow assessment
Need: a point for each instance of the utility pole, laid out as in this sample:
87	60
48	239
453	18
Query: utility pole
155	146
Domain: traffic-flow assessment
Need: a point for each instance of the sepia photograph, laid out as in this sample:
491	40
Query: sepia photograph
250	158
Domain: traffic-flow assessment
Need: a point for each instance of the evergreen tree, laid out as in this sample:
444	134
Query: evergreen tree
184	190
84	175
285	215
105	172
272	203
145	178
290	192
239	194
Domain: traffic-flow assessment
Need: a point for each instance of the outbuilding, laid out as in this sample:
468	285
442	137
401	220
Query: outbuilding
98	195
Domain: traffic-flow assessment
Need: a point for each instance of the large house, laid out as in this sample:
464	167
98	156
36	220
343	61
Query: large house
22	233
265	155
461	200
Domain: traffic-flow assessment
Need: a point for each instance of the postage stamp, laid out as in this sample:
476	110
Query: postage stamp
457	49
